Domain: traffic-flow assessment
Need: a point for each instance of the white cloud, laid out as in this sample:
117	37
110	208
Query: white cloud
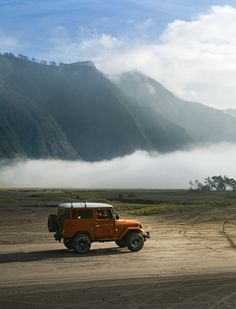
194	59
139	170
103	41
95	48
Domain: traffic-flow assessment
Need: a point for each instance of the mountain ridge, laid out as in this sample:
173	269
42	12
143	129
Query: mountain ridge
204	124
73	111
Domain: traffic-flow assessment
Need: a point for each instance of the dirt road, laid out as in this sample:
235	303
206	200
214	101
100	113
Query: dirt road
189	262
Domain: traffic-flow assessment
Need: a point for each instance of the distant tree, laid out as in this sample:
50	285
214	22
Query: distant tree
53	63
23	57
214	183
9	55
218	183
230	183
191	186
43	62
34	60
208	182
196	186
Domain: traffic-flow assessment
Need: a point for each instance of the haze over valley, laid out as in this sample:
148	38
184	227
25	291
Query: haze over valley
138	170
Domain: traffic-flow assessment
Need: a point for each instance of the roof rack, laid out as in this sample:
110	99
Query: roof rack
84	205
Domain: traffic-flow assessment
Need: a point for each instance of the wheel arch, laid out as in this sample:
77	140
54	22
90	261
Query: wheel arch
83	232
130	231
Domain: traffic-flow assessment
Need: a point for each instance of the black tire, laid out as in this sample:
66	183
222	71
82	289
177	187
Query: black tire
68	243
121	243
81	243
135	242
52	223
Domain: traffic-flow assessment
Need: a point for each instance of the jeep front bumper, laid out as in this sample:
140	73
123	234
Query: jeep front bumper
146	235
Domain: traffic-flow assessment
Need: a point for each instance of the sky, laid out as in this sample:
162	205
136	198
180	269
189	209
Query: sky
188	46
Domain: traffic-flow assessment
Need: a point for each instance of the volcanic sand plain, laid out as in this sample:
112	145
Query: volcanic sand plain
189	262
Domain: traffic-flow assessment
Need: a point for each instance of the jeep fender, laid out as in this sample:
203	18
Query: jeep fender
83	232
129	231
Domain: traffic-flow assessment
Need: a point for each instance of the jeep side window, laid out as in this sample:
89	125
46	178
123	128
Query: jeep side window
104	214
85	213
82	213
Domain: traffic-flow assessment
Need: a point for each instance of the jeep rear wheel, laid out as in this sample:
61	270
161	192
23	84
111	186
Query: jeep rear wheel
81	243
135	242
52	223
68	243
121	243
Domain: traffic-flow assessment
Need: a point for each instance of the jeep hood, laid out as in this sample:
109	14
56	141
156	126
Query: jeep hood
128	222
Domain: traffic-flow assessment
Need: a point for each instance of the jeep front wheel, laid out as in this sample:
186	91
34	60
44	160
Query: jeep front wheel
121	243
81	243
135	242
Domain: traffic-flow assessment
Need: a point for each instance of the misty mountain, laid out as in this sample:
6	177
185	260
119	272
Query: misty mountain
203	124
74	111
27	130
231	112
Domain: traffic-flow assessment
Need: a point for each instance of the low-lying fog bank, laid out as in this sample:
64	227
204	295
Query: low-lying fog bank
139	170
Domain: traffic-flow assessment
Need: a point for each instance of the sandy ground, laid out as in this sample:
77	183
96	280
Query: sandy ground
189	262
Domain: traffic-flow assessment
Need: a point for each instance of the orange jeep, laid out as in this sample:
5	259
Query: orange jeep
80	224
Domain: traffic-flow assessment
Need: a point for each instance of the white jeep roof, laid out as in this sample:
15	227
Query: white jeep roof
84	205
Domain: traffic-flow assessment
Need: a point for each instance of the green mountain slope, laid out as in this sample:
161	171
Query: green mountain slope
72	111
231	112
202	123
27	130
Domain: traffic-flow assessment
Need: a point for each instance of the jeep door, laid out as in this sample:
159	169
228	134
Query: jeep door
82	220
104	224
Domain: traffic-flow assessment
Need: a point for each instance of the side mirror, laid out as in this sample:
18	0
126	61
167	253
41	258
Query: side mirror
117	217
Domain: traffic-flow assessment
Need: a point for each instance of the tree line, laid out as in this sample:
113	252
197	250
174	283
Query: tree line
214	183
25	58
